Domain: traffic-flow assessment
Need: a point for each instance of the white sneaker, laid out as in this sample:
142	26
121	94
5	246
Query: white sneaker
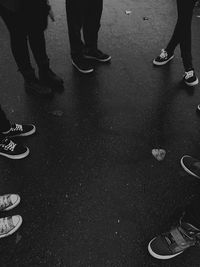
9	225
9	201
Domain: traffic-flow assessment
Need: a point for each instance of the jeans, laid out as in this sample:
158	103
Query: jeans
182	32
85	15
4	122
20	35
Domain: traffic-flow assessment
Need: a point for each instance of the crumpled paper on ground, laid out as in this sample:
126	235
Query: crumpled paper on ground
159	154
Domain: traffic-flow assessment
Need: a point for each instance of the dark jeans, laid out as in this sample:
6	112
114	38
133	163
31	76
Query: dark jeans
19	37
85	15
182	32
192	213
4	122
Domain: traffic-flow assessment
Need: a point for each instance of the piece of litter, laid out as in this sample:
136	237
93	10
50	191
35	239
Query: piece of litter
145	18
18	238
198	16
159	154
128	12
57	113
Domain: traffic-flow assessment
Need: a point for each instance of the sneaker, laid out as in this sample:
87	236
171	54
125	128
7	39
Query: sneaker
97	55
9	225
176	241
163	58
190	78
37	88
82	65
49	78
191	166
9	201
20	130
12	150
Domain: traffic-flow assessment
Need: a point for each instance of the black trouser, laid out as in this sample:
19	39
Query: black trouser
4	122
19	37
182	32
85	15
192	213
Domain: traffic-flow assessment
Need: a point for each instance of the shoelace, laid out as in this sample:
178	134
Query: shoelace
4	225
189	74
10	146
18	127
163	54
4	202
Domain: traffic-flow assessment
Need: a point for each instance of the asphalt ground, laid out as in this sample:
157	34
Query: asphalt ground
92	193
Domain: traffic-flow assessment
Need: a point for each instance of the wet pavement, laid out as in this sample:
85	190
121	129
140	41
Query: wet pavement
92	193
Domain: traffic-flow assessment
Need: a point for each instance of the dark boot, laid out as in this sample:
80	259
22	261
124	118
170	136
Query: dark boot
34	86
49	78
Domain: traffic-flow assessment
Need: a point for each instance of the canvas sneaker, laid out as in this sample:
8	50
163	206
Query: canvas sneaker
9	201
20	130
97	55
190	78
163	58
13	150
9	225
191	165
170	244
82	65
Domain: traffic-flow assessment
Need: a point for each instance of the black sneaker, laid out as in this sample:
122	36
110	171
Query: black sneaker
49	78
163	58
190	78
34	86
174	242
97	55
191	166
20	130
12	150
82	64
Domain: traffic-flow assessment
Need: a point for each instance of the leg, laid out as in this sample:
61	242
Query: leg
91	24
182	32
5	124
175	39
18	39
185	39
75	10
38	46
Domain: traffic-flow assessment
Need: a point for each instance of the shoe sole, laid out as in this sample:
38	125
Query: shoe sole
27	133
186	169
160	257
21	156
80	70
97	59
193	83
14	229
14	204
156	63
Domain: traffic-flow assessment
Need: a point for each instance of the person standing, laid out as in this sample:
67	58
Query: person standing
86	16
26	22
182	37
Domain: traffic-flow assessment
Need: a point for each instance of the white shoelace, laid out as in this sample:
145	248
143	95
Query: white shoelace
4	225
18	127
11	146
163	54
189	74
4	202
